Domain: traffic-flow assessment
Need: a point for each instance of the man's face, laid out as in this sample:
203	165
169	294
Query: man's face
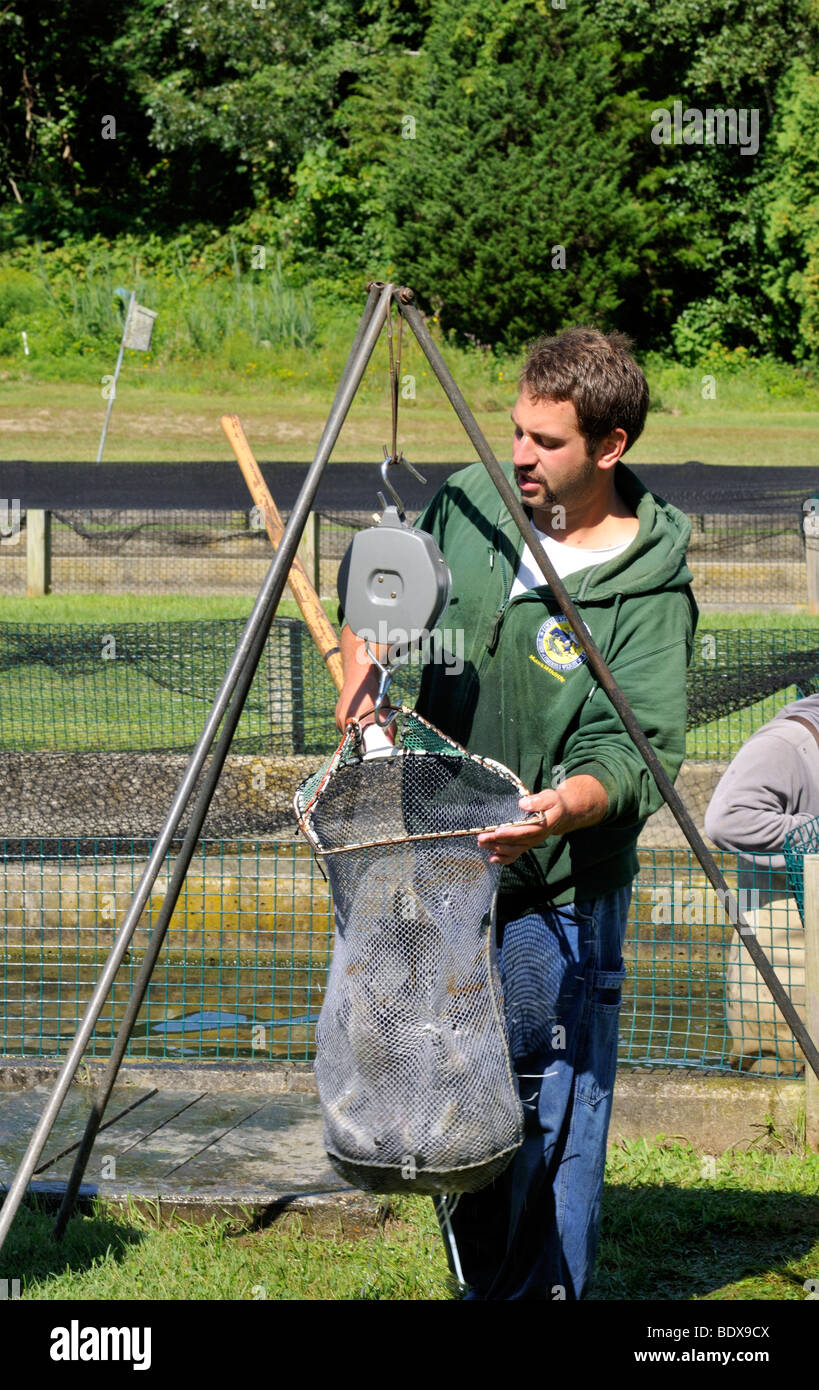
552	464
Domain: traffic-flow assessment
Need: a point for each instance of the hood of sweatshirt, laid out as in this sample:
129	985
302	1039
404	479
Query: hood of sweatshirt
654	560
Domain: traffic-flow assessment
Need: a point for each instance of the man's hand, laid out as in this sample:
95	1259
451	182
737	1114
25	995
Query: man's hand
361	678
578	802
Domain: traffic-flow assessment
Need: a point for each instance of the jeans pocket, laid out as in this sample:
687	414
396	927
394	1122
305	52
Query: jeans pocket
597	1066
607	985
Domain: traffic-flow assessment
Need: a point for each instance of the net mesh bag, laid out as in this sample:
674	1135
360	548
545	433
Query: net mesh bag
802	840
412	1060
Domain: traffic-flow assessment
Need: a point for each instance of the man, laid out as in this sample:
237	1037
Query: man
770	788
525	696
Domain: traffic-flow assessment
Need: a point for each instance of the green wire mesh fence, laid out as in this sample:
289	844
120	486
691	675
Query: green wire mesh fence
244	967
241	972
138	687
147	687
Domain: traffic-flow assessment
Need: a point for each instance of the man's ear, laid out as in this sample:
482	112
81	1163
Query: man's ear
612	448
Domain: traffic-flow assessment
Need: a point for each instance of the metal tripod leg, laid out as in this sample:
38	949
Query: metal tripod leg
444	1206
403	299
250	643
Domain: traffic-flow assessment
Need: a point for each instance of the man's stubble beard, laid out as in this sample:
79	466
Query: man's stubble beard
575	491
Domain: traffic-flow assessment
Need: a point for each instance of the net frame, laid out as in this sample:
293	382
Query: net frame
352	746
415	1076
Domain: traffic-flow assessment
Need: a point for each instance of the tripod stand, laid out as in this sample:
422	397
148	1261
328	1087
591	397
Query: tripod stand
226	711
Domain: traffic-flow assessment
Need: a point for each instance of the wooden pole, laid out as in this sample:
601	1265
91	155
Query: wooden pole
38	552
810	525
811	868
321	629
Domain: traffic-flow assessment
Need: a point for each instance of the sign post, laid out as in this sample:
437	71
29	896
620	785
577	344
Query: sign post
136	334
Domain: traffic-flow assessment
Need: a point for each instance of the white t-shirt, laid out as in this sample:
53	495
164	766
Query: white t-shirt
567	559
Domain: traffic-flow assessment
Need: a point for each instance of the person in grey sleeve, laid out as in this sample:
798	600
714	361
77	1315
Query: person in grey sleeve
770	788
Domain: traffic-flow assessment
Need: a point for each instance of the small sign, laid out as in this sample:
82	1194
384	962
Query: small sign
140	328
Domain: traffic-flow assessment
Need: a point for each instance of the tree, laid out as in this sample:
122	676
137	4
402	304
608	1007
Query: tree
57	84
718	54
508	191
792	217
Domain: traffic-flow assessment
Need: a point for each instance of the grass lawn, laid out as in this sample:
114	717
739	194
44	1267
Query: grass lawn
166	608
135	608
154	419
669	1233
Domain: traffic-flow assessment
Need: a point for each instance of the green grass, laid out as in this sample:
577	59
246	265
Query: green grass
762	619
271	345
170	412
161	608
135	608
668	1233
155	420
671	1233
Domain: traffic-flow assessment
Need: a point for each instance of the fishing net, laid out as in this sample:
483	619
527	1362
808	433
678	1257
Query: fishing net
802	840
412	1059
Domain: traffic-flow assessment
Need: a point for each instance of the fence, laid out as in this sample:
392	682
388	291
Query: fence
244	966
147	687
736	558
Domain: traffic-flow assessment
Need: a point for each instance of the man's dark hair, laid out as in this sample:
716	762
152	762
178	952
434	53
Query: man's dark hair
597	373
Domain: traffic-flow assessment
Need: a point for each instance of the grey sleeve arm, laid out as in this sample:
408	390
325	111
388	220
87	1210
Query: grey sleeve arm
752	807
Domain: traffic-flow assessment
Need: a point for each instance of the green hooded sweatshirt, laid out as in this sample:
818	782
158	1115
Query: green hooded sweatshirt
525	694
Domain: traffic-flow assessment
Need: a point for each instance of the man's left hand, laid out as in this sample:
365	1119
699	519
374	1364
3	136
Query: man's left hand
578	802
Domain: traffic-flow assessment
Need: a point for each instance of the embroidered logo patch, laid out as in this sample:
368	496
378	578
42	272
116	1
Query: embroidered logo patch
557	645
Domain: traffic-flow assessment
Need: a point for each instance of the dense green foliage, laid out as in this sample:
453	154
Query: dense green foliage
501	155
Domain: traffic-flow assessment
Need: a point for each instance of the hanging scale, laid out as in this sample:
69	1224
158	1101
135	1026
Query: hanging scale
393	583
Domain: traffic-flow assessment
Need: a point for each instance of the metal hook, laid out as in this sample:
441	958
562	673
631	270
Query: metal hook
392	459
383	686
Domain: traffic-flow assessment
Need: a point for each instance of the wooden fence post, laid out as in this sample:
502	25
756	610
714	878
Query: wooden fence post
296	644
810	526
811	867
309	551
38	552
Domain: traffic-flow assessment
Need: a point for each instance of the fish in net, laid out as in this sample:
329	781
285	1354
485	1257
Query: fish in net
412	1059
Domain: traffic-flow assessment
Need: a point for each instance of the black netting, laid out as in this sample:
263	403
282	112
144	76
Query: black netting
132	528
735	670
412	1061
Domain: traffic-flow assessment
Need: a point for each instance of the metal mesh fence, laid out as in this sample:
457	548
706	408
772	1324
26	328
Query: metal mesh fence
742	560
738	679
737	558
245	963
148	686
799	842
746	559
242	969
151	551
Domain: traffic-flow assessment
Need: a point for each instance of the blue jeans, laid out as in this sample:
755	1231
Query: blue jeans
532	1234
